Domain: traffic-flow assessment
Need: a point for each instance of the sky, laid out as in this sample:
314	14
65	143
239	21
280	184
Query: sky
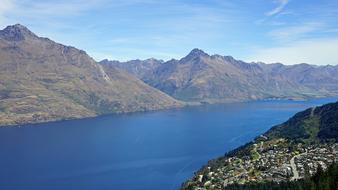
285	31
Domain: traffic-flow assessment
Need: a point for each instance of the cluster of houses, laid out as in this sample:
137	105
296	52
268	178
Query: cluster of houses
269	160
321	155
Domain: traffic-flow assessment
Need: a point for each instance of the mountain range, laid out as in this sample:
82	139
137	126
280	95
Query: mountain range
41	80
199	77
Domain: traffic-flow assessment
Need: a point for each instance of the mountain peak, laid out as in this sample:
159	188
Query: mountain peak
18	26
16	32
197	52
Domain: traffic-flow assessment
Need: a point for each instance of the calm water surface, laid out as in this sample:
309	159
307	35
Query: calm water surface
154	150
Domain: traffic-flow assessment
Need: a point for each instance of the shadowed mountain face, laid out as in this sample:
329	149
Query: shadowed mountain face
204	78
41	80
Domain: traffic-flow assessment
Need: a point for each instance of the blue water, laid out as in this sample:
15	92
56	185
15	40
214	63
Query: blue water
154	150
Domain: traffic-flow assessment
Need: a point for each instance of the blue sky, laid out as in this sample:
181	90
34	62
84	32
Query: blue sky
287	31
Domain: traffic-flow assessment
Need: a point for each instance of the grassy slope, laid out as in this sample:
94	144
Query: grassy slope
319	124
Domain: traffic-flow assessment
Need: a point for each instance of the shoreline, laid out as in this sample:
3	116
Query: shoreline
185	105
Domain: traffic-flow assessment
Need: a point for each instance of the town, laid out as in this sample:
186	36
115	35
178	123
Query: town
266	160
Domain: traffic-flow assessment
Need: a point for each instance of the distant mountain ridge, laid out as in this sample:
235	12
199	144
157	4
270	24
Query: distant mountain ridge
200	77
41	80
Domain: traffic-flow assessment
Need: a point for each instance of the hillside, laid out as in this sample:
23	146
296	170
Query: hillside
200	77
138	68
287	152
41	80
316	124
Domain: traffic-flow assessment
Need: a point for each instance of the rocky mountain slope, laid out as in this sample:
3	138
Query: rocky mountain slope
200	77
287	152
41	80
139	68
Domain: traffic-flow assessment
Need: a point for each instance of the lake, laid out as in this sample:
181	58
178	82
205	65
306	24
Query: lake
152	150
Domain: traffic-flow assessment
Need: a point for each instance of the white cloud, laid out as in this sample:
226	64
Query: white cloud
312	51
295	32
279	8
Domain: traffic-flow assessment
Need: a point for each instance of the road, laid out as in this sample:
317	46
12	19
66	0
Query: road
294	168
312	111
